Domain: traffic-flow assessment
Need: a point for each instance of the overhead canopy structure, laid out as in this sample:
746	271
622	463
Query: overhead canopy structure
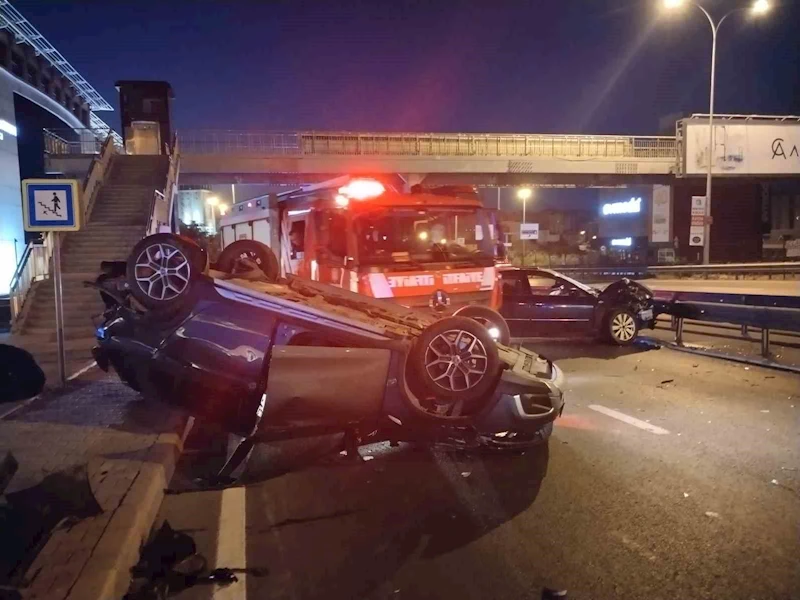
25	32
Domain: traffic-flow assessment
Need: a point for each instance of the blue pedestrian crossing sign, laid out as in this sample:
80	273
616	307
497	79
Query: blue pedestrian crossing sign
51	204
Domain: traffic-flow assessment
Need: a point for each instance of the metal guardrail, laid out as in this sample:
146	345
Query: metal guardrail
767	313
313	143
641	271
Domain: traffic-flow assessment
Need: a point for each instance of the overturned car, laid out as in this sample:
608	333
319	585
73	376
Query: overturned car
273	359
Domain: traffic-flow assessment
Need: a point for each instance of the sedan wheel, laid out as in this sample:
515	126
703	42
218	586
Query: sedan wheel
623	327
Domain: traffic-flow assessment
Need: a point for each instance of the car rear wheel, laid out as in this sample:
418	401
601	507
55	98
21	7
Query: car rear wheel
261	254
160	270
622	327
455	359
492	320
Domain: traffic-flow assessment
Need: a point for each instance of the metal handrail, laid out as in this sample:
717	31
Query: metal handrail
162	203
90	140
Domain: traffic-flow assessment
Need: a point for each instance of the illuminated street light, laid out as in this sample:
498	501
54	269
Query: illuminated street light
523	194
583	232
757	8
212	200
423	235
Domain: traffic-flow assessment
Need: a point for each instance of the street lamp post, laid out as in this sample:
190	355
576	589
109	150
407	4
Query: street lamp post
523	194
758	7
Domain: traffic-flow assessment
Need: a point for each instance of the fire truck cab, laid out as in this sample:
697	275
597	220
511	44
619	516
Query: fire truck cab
429	248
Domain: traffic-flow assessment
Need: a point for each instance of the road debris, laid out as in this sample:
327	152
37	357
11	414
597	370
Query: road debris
788	468
667	381
368	457
712	514
765	411
466	474
169	563
685	495
774	482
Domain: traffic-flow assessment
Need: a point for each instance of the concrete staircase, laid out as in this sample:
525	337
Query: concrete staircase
118	220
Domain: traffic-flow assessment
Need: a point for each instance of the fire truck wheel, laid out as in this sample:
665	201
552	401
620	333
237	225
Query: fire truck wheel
253	250
491	319
160	270
455	358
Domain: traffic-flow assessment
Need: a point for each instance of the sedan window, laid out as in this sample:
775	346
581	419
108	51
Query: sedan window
542	284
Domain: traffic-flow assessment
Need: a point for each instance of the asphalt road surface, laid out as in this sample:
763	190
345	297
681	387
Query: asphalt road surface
669	476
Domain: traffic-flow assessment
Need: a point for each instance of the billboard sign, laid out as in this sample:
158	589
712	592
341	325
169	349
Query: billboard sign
529	231
750	148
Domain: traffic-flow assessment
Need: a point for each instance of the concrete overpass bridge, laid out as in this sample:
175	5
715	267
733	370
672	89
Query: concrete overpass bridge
475	158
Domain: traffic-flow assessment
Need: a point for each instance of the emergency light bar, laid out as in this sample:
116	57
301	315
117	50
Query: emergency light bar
361	189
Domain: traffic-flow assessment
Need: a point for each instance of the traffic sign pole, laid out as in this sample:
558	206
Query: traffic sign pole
53	205
62	360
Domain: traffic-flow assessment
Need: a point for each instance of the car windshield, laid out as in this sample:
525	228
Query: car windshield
427	235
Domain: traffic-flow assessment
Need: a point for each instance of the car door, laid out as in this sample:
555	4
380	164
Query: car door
517	306
559	308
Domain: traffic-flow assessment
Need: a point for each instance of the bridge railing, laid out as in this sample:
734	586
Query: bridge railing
77	141
311	143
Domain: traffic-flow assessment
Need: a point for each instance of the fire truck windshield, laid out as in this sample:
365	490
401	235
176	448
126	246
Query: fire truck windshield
429	235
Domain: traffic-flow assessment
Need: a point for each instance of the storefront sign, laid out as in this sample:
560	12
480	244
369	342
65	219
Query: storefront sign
634	205
627	242
743	149
697	230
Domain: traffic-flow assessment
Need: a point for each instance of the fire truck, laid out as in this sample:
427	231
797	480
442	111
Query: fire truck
436	247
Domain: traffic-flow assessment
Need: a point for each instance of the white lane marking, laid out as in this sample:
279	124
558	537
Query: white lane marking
615	414
81	371
231	550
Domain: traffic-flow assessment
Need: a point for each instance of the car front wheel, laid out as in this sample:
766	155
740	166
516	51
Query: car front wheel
622	327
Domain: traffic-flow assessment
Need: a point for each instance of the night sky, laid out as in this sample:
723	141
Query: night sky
570	66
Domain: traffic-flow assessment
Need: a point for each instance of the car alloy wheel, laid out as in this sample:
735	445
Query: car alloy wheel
162	271
623	327
456	360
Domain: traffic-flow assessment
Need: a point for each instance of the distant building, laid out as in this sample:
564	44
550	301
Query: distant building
193	207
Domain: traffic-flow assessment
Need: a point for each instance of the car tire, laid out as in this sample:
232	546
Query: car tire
471	377
622	327
490	319
259	253
160	271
